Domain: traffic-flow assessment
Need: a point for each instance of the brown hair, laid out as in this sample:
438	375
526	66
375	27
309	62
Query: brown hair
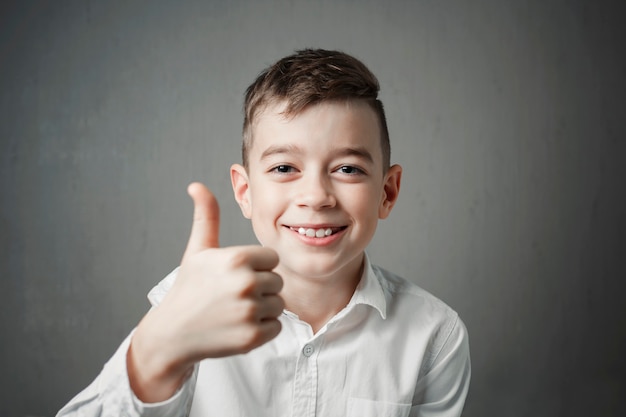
308	77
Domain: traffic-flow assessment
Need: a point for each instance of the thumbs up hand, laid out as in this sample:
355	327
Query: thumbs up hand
225	301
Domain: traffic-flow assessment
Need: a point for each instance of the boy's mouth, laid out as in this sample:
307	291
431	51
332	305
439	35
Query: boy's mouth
317	232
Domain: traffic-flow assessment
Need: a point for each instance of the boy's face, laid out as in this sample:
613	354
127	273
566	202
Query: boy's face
315	186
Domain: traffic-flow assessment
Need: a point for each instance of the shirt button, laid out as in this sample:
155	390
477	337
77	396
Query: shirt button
308	350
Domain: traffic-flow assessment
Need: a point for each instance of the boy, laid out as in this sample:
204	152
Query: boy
303	325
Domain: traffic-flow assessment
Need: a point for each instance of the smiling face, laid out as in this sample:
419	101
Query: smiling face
315	186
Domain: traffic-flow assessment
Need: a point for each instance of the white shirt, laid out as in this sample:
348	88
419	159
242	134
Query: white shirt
394	350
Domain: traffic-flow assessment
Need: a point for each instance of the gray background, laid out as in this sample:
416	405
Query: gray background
508	117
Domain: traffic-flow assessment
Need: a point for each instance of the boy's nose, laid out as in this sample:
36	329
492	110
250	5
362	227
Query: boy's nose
315	192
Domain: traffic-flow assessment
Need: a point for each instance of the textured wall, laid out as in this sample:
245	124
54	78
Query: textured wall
507	116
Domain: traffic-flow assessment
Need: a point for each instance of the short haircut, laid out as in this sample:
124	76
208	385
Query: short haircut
309	77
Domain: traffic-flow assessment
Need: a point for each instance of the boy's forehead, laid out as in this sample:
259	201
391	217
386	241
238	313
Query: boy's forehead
337	126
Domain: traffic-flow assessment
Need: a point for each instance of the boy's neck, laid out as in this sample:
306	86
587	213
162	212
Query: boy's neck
317	300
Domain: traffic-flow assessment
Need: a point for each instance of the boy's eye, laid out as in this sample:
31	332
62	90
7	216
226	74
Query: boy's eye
350	170
282	169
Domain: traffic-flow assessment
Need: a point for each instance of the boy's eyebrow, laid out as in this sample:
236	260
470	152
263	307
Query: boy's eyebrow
280	149
359	152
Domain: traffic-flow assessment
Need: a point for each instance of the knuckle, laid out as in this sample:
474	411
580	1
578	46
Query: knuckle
248	310
247	284
238	258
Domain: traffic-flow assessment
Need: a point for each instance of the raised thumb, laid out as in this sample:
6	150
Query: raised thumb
205	229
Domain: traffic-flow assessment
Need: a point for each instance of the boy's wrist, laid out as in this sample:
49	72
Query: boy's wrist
152	376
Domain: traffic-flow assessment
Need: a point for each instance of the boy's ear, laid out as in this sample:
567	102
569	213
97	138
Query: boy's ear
391	189
241	189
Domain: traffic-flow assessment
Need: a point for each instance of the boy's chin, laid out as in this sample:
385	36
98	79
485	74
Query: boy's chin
316	267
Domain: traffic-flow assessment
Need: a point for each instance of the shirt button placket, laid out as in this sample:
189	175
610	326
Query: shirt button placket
305	388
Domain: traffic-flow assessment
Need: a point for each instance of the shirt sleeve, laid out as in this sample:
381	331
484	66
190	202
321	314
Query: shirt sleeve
110	394
442	390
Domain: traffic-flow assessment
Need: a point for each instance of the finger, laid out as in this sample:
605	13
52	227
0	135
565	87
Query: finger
269	329
271	307
261	259
268	283
205	228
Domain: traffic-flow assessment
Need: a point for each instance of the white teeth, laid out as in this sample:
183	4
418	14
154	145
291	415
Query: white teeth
315	232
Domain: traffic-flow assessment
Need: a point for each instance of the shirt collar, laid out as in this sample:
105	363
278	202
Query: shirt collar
369	291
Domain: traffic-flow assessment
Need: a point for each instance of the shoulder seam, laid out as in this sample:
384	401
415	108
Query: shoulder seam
450	328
